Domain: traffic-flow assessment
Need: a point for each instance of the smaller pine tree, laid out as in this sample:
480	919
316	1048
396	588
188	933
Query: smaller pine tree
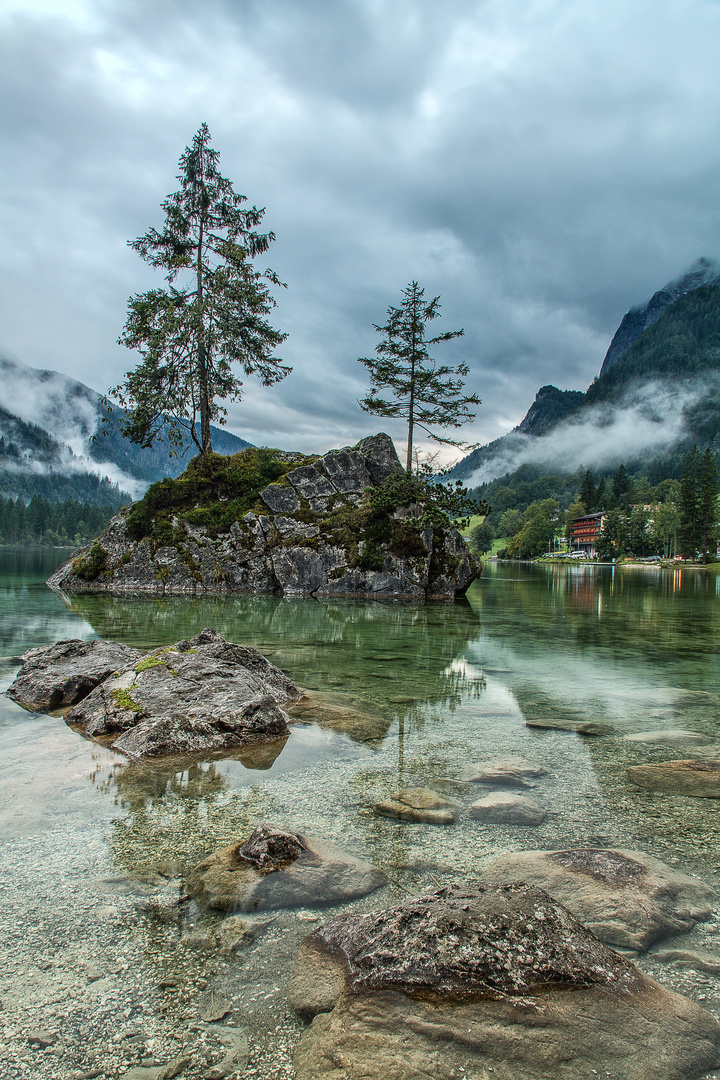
427	395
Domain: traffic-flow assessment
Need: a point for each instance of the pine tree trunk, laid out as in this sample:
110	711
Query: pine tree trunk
205	437
411	407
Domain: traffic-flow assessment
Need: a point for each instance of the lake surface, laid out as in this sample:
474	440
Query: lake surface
100	946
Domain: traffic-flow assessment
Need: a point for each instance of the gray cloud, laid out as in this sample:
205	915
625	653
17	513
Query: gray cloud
542	166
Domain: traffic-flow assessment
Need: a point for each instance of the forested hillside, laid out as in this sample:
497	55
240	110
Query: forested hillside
684	342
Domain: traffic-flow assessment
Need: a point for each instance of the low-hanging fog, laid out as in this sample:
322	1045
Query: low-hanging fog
649	419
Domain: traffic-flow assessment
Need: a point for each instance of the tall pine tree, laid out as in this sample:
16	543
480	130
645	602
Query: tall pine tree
588	494
708	510
689	525
426	394
190	337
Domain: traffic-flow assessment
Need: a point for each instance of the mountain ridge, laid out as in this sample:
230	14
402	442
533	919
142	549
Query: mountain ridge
52	440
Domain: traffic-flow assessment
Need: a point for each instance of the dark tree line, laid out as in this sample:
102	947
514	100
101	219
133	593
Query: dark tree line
51	523
675	518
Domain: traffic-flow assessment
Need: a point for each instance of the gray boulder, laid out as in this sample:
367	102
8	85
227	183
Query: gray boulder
627	898
277	868
280	499
486	980
63	674
205	694
305	534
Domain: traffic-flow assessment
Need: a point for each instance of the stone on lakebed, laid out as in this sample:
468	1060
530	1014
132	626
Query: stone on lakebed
698	777
506	808
486	980
418	805
580	727
510	772
627	898
670	736
277	868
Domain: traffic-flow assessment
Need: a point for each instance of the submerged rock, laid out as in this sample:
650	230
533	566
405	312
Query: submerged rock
326	711
580	727
486	980
687	958
419	805
627	898
695	777
64	673
505	808
670	736
305	534
205	694
512	772
276	868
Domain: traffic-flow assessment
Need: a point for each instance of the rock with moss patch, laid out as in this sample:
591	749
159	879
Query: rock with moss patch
627	898
486	980
63	674
270	521
278	868
205	694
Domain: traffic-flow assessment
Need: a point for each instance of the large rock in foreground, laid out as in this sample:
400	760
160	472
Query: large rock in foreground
205	694
627	898
312	531
63	674
496	982
276	868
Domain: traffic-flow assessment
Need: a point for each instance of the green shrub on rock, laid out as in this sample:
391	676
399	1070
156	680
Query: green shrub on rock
93	564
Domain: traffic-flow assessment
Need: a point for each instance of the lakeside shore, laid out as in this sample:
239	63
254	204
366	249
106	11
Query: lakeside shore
639	564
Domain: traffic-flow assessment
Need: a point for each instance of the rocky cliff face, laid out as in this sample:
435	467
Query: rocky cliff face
311	532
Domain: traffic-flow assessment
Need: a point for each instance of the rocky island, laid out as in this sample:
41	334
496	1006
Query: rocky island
349	523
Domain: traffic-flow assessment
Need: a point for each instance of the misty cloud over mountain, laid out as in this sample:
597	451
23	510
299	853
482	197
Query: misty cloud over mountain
51	424
649	419
658	389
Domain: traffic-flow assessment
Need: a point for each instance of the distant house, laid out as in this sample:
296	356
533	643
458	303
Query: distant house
584	532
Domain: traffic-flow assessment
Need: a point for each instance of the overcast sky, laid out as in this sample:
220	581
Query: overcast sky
543	165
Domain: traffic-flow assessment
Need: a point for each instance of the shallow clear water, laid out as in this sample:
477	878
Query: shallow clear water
94	847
